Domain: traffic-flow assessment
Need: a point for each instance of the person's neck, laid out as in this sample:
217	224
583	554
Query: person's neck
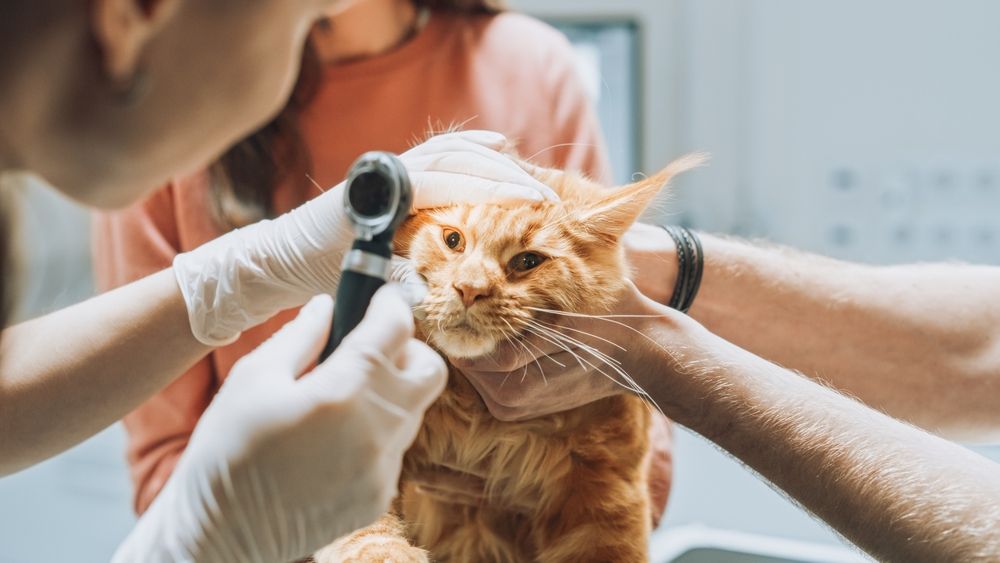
366	29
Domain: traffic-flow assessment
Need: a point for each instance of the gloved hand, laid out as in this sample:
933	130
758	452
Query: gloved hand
245	277
279	466
582	358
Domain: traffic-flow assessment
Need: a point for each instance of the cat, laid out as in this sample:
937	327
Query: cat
581	471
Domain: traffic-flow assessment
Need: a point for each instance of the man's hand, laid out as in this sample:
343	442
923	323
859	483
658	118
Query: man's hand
574	360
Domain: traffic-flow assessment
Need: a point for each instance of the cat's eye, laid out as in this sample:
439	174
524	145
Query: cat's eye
454	240
526	261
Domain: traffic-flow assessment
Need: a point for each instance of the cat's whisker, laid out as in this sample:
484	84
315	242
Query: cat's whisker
315	183
556	146
586	316
532	356
525	323
589	364
506	336
611	319
542	371
630	383
524	374
576	342
585	333
570	341
564	343
550	358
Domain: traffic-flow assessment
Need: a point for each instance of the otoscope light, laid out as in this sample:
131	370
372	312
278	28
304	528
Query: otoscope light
378	196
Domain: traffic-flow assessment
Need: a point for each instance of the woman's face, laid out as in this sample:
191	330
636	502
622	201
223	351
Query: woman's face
209	74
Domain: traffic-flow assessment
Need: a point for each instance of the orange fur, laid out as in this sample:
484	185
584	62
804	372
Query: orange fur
583	470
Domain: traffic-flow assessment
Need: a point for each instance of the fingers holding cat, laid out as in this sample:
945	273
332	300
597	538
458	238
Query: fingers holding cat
469	166
580	360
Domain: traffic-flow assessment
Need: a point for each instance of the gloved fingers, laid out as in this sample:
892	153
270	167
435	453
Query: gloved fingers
489	139
412	378
386	327
433	150
473	161
395	425
441	189
290	350
389	426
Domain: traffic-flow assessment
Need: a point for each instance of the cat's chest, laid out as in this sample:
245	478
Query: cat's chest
460	433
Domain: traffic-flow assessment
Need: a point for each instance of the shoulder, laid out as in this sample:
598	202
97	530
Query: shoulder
524	28
519	39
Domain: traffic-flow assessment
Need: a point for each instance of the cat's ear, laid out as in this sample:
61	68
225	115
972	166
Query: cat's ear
615	210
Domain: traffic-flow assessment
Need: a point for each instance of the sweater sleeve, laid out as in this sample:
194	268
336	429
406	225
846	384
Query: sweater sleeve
128	245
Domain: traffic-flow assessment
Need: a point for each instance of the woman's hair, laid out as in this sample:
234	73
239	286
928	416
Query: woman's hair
243	179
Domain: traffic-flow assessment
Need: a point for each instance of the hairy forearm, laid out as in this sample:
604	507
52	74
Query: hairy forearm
921	342
898	492
69	374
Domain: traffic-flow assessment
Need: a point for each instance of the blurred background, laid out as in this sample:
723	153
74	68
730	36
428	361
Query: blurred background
862	130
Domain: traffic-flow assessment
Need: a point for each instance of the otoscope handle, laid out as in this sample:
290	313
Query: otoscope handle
365	269
377	199
354	294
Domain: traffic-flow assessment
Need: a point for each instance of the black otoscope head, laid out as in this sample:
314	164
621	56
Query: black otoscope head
378	196
377	199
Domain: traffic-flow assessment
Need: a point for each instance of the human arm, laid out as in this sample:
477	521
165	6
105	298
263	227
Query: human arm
899	493
67	375
896	491
130	244
920	341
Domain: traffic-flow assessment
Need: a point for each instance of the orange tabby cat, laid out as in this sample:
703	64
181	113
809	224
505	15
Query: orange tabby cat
581	471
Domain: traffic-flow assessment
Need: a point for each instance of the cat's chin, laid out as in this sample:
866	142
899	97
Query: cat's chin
463	344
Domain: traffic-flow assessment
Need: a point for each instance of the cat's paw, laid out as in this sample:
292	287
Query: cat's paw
372	549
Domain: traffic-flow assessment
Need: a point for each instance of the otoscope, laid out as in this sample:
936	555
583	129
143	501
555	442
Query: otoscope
377	199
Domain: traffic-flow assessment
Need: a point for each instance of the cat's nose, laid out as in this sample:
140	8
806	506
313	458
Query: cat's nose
470	293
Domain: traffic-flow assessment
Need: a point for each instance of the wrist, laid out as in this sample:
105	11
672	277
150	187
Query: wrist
653	256
677	363
248	275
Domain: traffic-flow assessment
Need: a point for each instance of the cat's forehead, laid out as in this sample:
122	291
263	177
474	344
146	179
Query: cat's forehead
511	216
503	223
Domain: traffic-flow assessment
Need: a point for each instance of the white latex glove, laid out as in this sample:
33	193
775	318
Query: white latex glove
278	466
245	277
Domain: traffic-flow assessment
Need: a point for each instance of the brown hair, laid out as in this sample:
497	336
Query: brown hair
245	177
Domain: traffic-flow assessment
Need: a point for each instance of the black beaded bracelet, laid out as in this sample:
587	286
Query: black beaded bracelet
690	265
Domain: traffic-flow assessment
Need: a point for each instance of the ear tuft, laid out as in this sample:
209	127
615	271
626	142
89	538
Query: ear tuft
615	211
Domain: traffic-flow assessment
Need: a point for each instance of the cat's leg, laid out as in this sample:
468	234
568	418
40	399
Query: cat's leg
382	542
602	521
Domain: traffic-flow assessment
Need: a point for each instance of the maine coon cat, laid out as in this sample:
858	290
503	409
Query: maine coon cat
489	269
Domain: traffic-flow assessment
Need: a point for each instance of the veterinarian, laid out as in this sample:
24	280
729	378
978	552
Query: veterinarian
103	96
919	342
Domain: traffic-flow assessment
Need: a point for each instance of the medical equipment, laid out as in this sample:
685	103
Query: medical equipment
377	199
